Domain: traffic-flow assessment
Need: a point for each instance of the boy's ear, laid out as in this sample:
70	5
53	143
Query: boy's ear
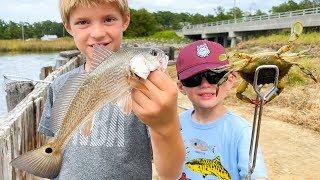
180	87
68	28
231	79
126	21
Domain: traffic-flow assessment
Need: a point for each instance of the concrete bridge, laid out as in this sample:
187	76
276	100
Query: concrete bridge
229	31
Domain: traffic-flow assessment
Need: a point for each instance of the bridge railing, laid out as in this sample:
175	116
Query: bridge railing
255	18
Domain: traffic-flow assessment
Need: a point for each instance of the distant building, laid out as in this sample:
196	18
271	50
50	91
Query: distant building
49	37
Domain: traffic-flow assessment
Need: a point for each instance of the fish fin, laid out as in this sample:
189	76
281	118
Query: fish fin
125	103
217	159
137	83
87	125
100	54
43	162
63	100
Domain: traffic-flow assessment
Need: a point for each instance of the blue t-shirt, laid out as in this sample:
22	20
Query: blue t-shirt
218	150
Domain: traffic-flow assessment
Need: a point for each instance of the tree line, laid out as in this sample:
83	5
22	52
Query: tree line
144	23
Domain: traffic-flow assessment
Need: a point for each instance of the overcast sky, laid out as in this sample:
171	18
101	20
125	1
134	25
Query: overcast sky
41	10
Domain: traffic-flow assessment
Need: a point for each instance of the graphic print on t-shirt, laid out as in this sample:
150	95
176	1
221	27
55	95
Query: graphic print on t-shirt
208	167
199	161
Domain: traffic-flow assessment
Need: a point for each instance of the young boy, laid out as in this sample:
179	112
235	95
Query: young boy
115	146
216	139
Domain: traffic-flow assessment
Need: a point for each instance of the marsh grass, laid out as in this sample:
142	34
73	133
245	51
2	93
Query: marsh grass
63	44
34	45
164	37
309	38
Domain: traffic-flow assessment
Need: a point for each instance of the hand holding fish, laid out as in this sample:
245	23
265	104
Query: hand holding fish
157	106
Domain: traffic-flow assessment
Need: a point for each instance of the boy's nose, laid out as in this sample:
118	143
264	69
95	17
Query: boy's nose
205	83
98	31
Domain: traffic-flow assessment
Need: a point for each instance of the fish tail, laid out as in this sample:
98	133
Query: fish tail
43	162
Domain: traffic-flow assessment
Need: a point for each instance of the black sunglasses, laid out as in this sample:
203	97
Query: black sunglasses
211	76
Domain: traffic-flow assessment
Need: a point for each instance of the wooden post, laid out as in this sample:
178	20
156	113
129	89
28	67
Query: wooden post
45	71
169	50
65	56
16	92
171	53
60	62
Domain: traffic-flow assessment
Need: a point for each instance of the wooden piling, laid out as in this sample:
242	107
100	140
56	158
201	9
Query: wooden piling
16	92
45	71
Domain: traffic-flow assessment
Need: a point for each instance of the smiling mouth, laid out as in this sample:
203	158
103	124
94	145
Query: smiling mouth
206	94
99	44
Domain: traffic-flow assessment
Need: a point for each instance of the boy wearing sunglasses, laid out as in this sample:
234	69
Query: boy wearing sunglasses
216	139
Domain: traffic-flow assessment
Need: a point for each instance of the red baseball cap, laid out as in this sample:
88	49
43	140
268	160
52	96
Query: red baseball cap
199	56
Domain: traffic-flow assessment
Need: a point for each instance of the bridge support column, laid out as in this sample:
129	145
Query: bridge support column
233	37
204	36
225	41
215	39
233	42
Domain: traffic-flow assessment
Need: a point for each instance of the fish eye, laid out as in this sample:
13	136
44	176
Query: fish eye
48	150
154	52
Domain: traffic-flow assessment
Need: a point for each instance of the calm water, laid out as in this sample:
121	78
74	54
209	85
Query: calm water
24	65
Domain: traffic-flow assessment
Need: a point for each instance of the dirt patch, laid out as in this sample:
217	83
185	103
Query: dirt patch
290	151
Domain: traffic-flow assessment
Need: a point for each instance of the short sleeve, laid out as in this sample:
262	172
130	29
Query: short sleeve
243	157
44	125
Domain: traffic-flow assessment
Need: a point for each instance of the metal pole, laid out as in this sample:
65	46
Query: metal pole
261	99
22	31
234	10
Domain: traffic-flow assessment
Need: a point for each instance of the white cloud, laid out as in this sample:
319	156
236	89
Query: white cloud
29	11
40	10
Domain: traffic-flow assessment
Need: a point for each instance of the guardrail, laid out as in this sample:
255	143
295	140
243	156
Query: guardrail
255	18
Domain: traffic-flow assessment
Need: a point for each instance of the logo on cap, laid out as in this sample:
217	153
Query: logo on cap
203	51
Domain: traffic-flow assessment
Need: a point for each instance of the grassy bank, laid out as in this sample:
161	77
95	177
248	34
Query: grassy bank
309	38
277	40
163	37
35	45
61	44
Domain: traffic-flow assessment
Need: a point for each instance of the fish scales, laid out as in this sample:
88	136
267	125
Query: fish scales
97	90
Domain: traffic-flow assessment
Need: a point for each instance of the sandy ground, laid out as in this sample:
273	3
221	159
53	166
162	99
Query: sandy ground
290	151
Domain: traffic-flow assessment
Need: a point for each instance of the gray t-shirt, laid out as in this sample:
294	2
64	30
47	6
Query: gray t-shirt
118	146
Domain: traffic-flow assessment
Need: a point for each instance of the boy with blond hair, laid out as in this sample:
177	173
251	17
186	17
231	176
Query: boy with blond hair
216	139
112	145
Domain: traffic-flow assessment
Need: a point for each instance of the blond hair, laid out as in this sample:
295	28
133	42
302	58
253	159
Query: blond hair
66	6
